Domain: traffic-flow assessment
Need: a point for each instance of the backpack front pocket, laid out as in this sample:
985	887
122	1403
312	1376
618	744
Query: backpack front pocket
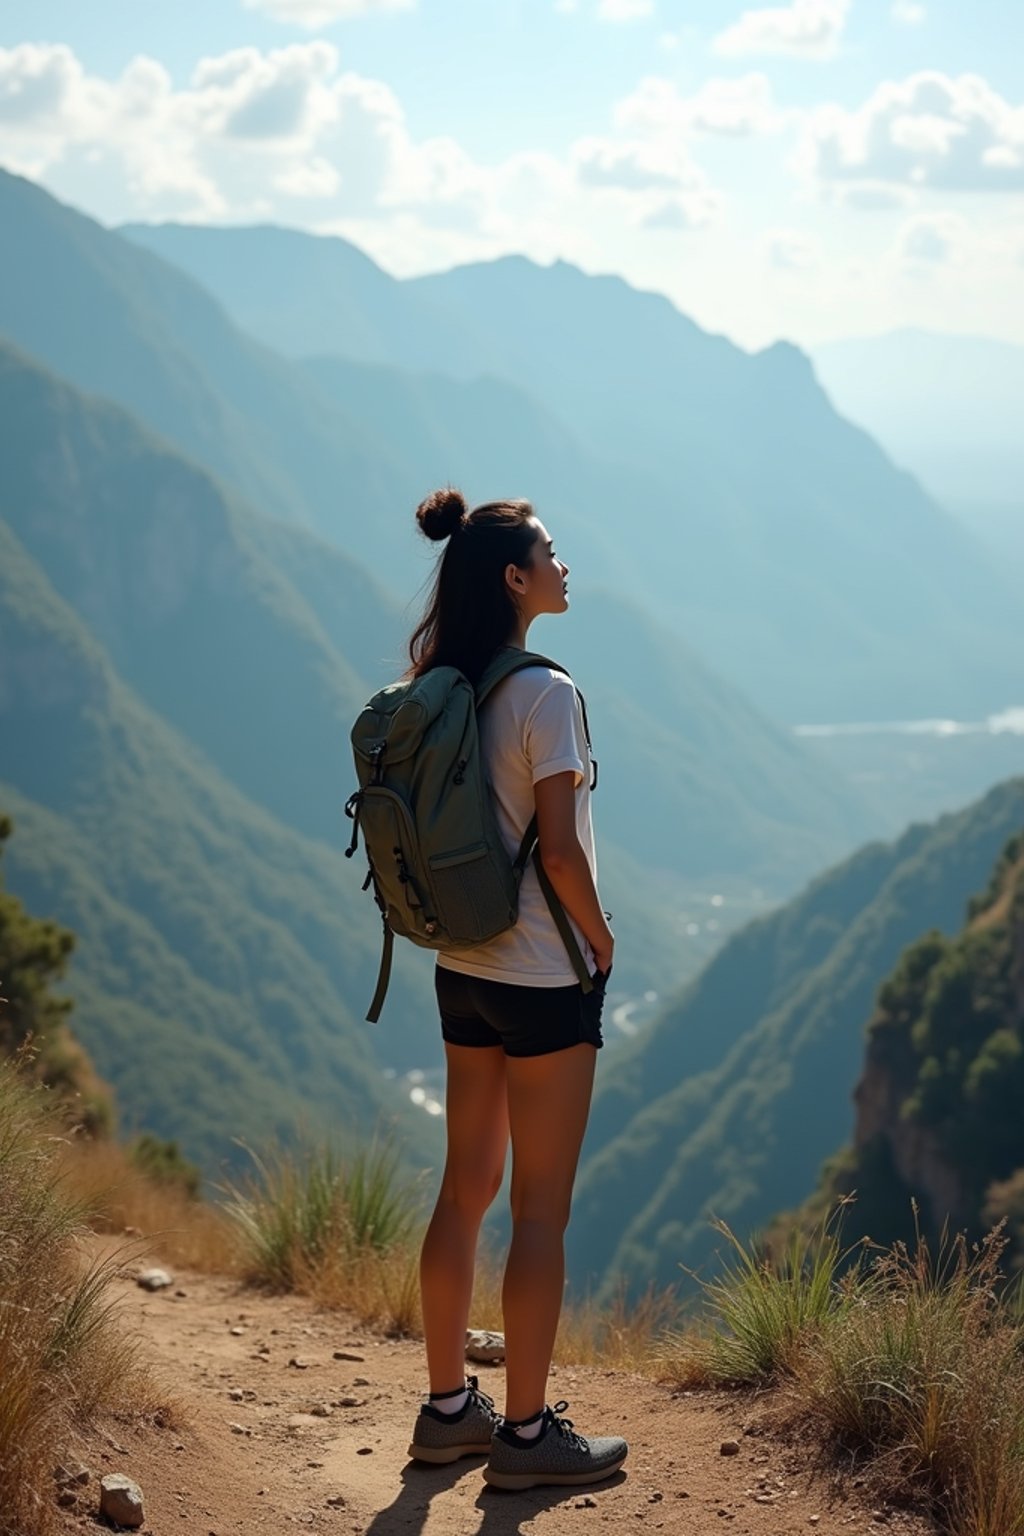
474	902
395	863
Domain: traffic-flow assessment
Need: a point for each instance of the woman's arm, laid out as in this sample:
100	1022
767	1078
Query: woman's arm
565	862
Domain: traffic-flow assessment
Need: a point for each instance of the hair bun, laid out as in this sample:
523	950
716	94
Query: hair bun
441	513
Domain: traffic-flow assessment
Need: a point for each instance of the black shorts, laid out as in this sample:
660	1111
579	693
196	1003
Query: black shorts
525	1021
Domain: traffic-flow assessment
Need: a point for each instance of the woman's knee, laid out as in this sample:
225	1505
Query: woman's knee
541	1205
471	1192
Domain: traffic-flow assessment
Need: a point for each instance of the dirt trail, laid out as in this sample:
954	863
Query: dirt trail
265	1444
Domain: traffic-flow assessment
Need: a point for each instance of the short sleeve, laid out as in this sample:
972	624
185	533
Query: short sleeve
553	738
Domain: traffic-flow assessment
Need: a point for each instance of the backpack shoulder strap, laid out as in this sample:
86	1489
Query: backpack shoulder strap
507	661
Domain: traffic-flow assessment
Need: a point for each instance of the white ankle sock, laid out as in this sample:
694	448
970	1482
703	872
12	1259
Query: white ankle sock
532	1428
453	1404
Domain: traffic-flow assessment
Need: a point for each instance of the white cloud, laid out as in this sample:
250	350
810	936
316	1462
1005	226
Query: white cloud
792	250
935	238
734	108
287	134
624	10
930	130
805	28
874	197
909	13
313	14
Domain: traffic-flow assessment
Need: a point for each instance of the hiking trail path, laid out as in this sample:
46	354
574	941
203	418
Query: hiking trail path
261	1445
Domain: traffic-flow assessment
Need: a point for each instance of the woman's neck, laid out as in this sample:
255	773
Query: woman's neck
517	639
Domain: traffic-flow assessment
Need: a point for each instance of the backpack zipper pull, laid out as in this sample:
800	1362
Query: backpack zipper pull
352	805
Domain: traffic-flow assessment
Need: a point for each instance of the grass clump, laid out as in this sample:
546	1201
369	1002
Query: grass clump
339	1228
911	1362
63	1358
762	1313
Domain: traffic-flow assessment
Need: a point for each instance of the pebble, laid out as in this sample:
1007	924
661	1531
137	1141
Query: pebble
730	1447
346	1354
237	1332
586	1502
153	1279
336	1501
365	1450
121	1500
348	1402
360	1381
299	1363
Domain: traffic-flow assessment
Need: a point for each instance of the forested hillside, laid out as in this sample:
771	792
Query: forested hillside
746	1081
939	1099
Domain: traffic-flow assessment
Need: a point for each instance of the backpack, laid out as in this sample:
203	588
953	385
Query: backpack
439	869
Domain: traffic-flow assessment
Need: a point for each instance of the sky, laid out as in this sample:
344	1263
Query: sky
811	169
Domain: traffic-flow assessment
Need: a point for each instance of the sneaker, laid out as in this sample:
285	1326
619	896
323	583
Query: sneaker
558	1455
443	1437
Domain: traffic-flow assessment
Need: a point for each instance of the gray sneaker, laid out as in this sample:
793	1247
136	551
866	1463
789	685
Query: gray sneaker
558	1456
443	1437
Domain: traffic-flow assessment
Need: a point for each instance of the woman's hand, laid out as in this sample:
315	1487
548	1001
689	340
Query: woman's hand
603	952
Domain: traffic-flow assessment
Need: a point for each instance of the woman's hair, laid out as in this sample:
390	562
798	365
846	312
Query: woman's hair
470	612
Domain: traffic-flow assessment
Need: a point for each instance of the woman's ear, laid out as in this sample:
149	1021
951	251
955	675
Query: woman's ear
514	578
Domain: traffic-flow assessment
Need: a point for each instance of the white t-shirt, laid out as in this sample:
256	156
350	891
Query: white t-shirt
531	726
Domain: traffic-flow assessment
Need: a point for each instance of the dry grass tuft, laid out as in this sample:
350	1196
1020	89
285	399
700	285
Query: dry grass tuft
63	1357
121	1198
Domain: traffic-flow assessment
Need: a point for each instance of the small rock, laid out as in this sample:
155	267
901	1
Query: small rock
67	1498
813	1519
348	1402
121	1500
365	1450
360	1381
881	1515
237	1332
336	1501
239	1429
298	1362
321	1410
655	1498
153	1279
586	1502
346	1354
482	1344
181	1293
730	1447
236	1394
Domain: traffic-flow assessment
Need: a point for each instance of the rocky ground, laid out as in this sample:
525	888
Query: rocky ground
289	1416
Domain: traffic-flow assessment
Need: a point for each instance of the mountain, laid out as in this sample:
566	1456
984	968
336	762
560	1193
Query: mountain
122	323
259	643
217	983
751	517
731	1101
938	1101
946	407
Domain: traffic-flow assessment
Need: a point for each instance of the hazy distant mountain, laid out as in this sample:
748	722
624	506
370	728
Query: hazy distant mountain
764	527
122	323
218	978
735	1097
946	407
259	643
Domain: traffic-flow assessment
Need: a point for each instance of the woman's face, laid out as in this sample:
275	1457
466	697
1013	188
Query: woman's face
545	587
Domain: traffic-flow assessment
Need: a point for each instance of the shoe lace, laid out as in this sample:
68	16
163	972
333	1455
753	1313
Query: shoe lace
564	1427
485	1402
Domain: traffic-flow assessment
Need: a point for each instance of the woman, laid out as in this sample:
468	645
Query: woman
520	1036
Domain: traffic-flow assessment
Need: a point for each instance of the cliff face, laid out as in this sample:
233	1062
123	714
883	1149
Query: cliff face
938	1103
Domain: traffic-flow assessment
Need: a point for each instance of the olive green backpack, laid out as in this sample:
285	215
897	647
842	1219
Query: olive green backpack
440	872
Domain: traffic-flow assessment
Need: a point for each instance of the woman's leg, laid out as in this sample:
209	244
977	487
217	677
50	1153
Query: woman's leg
477	1120
548	1104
